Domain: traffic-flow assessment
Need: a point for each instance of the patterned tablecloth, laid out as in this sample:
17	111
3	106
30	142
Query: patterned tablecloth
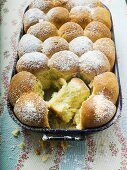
106	150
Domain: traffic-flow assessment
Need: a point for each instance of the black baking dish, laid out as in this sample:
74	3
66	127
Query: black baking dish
64	134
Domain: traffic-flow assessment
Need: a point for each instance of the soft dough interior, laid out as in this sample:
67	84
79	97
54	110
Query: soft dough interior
68	100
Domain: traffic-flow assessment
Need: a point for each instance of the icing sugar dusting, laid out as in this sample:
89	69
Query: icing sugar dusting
94	60
64	61
104	108
32	62
54	44
30	108
80	45
32	16
28	43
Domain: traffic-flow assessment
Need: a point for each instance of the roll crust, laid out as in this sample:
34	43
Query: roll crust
64	64
32	110
43	30
96	111
70	30
106	84
96	30
32	16
58	16
81	16
92	64
102	15
27	44
43	5
53	45
106	46
21	83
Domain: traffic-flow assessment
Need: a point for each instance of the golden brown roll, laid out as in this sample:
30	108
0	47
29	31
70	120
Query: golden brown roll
31	17
102	15
32	110
63	3
96	111
21	83
92	3
93	63
70	30
27	44
37	64
43	5
96	30
58	16
69	4
68	100
32	62
80	45
53	45
80	15
106	46
43	30
63	64
107	84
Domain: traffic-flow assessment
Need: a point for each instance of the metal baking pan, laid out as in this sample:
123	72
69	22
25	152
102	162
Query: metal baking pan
67	134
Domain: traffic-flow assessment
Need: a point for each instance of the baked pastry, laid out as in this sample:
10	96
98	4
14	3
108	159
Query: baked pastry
68	100
53	45
96	30
63	3
32	110
31	17
95	111
43	30
58	16
37	64
106	84
43	5
70	30
27	44
63	64
69	4
92	64
102	15
106	46
80	15
92	3
80	45
21	83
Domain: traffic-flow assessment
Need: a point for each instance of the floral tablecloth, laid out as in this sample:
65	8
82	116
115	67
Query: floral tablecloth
106	150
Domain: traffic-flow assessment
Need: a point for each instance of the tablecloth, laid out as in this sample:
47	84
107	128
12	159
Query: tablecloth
105	150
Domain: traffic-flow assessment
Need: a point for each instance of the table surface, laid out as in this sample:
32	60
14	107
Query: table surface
105	150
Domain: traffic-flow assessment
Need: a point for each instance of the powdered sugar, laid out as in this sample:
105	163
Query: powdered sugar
58	16
43	30
104	108
93	63
30	108
32	62
43	5
32	16
28	43
54	44
80	45
64	61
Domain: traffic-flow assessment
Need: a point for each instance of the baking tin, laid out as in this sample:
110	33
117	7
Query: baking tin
64	134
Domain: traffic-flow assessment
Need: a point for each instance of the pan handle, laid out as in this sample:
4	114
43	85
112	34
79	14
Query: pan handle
67	138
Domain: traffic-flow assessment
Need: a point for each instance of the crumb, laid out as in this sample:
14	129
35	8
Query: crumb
22	146
16	132
37	151
45	157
